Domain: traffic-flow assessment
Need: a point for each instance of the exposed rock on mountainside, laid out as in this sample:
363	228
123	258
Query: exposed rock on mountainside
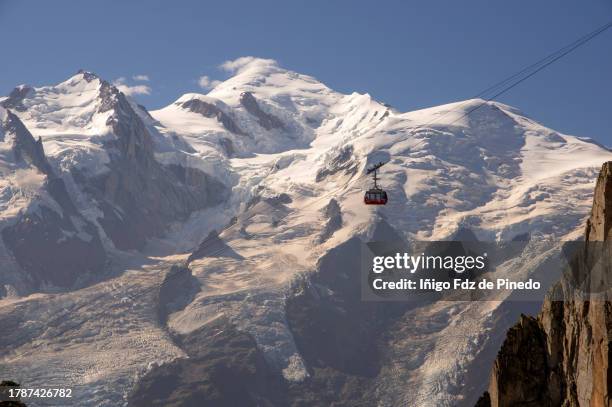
210	110
342	160
266	120
5	399
521	367
562	358
333	220
600	223
15	98
51	240
212	246
224	369
25	149
176	291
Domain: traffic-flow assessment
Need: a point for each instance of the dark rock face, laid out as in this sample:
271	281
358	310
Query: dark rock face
228	146
563	358
213	246
52	249
600	223
340	337
5	398
464	234
224	369
210	110
53	246
266	120
15	98
484	400
334	330
25	148
278	200
340	162
145	111
138	195
88	76
333	216
523	355
178	289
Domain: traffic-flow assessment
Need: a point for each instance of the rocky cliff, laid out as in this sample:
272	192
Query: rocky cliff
51	240
138	195
562	357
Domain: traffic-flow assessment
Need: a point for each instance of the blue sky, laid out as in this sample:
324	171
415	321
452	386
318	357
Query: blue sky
410	54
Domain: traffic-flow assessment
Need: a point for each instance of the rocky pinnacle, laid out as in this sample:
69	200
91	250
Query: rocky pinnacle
562	357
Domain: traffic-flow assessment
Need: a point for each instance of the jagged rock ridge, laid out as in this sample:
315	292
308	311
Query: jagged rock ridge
52	242
562	357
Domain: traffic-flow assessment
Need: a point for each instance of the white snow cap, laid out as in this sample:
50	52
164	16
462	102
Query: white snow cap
3	114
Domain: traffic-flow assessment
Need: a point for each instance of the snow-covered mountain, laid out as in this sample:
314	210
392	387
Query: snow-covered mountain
97	150
253	193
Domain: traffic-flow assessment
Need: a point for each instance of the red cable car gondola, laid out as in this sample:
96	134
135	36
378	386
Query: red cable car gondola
375	196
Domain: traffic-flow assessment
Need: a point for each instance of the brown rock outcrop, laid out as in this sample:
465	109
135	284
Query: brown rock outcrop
563	357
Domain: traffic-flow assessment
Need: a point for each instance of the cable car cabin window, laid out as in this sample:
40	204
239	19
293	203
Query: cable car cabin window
375	198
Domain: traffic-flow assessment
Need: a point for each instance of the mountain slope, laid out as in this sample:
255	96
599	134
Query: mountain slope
99	146
49	240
